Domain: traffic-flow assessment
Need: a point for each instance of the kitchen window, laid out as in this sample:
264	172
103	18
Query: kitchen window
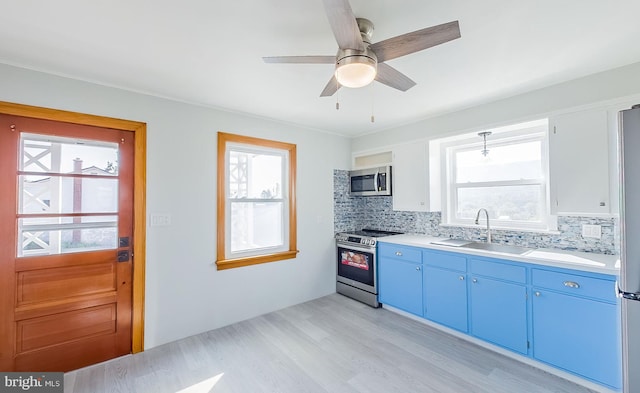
510	181
256	201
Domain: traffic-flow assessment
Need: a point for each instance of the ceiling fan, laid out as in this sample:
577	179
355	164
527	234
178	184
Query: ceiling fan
358	61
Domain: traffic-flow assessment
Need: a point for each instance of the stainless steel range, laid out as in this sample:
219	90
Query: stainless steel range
357	264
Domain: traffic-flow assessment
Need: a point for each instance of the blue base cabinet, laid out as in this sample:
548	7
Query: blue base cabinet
400	277
499	313
498	304
566	318
445	289
574	325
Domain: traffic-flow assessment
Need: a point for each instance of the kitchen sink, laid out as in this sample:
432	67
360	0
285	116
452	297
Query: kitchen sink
482	246
497	248
451	242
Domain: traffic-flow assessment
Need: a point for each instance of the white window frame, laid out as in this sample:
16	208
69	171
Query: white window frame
514	134
229	200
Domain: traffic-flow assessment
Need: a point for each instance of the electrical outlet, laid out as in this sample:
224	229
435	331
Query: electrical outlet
593	231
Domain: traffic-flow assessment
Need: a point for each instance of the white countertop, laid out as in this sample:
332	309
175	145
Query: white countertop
586	261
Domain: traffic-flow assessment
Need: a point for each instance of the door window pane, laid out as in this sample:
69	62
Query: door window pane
42	153
62	176
56	194
55	235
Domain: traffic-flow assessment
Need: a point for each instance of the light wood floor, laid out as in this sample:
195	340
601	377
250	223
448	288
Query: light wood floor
331	344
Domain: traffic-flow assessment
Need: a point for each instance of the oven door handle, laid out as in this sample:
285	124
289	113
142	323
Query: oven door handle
351	246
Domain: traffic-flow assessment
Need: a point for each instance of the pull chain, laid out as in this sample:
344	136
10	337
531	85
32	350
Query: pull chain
337	94
373	119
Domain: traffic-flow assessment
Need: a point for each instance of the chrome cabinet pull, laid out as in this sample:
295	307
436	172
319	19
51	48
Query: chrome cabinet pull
571	284
398	254
417	267
475	280
461	278
537	293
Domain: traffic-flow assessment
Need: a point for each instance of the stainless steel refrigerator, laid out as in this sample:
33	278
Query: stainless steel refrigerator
629	283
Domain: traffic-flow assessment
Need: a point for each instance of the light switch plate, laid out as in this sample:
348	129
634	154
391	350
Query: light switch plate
159	219
592	231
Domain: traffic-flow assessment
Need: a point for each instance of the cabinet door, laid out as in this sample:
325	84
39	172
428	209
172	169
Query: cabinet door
579	162
578	335
410	177
445	297
499	313
400	284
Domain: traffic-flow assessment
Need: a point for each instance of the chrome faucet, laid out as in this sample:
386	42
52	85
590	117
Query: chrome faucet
488	228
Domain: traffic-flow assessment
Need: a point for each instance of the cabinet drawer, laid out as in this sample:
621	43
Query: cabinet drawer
405	253
446	261
499	270
574	284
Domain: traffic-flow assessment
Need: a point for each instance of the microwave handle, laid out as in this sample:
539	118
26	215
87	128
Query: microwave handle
377	180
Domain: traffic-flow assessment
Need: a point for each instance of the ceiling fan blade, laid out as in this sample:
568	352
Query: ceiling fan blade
300	59
416	41
330	88
343	23
393	78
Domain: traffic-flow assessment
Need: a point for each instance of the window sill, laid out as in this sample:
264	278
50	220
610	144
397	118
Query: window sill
223	264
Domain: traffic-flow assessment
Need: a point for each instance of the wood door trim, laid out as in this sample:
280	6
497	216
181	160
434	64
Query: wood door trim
139	201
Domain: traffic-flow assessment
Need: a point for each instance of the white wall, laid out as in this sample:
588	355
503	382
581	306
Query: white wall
185	294
602	87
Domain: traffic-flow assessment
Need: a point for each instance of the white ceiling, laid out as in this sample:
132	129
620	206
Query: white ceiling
210	52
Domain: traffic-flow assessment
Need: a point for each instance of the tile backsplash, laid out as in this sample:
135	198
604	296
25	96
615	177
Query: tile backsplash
354	213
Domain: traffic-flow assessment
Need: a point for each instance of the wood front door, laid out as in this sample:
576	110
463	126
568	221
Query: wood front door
66	223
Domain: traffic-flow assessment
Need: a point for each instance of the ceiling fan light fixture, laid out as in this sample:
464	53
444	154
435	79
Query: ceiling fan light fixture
356	68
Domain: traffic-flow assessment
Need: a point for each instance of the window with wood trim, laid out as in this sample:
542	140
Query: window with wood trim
256	201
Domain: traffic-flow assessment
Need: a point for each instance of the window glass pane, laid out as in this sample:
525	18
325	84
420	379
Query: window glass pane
42	153
521	203
55	194
507	162
57	235
256	225
255	175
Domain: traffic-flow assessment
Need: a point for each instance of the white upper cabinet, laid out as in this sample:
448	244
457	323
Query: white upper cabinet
410	176
579	163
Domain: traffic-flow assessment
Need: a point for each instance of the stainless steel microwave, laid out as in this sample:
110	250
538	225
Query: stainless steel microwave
370	182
